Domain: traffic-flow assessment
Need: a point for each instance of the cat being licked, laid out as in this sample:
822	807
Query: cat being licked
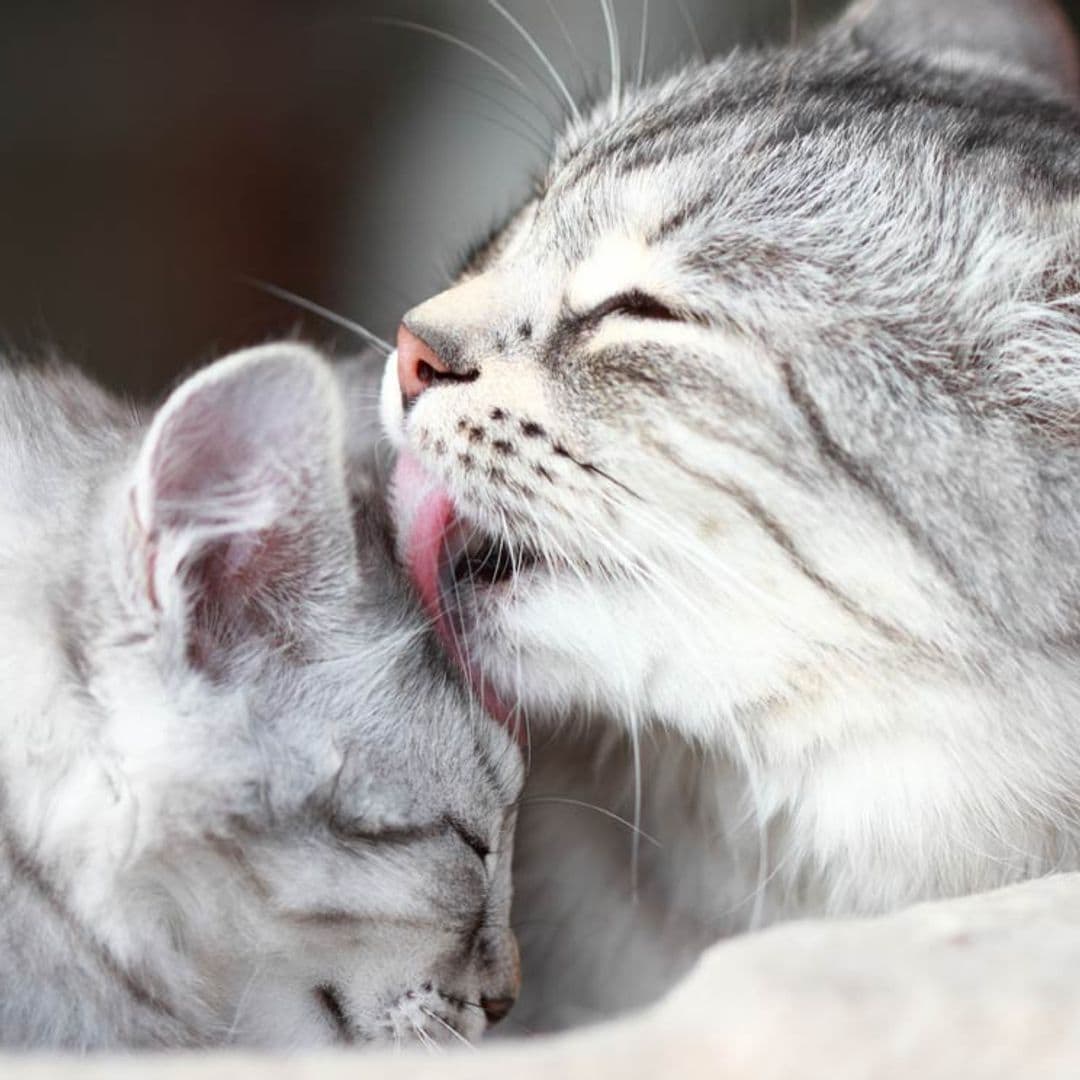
243	800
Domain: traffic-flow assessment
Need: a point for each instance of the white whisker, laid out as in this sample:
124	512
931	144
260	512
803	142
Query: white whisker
644	42
425	1039
561	23
692	29
451	39
317	309
635	850
431	1014
529	129
614	54
241	1003
531	41
602	810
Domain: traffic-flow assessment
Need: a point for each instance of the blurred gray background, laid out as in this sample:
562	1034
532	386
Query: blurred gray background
153	155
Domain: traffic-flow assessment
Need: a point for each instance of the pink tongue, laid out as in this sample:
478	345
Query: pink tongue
431	519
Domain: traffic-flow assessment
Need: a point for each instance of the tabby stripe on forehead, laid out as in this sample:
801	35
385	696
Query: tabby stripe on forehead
825	101
678	220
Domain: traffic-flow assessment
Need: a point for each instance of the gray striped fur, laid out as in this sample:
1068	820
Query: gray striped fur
803	338
243	800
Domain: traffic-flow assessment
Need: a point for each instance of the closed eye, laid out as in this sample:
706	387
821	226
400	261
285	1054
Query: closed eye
635	304
469	838
358	833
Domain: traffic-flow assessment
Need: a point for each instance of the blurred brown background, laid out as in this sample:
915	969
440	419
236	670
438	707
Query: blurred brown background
154	154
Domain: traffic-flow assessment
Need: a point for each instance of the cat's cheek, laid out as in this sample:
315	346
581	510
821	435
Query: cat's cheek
391	409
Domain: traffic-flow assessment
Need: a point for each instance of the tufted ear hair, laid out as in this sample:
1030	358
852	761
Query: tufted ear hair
1031	37
238	503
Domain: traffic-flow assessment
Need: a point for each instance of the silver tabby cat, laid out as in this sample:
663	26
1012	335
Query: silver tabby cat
241	799
746	459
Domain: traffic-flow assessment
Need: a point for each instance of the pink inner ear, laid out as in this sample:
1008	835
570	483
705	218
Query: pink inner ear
194	465
237	588
239	484
230	436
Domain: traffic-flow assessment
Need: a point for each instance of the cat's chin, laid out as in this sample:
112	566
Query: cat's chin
451	556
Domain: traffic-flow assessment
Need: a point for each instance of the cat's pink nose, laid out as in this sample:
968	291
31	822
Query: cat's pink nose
418	365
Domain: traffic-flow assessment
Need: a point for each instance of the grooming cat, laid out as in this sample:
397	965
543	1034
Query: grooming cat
746	460
242	799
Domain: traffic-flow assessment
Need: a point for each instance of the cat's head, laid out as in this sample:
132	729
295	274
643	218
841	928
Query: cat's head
311	822
752	390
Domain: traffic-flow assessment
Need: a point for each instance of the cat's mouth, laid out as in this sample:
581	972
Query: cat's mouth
449	556
473	558
453	561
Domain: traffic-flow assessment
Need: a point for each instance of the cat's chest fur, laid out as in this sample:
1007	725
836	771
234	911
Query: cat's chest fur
889	818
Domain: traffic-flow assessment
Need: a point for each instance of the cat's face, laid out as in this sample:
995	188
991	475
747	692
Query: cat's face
705	424
311	815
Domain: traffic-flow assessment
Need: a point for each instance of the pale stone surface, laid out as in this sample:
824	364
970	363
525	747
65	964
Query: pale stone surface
980	987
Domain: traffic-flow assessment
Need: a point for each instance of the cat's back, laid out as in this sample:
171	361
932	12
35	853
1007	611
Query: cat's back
61	438
58	434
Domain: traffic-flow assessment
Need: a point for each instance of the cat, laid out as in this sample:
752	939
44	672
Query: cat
243	800
742	469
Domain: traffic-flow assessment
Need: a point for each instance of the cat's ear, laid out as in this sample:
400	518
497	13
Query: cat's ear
1030	37
238	505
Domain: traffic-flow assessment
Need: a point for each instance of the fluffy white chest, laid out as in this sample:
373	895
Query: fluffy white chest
609	916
